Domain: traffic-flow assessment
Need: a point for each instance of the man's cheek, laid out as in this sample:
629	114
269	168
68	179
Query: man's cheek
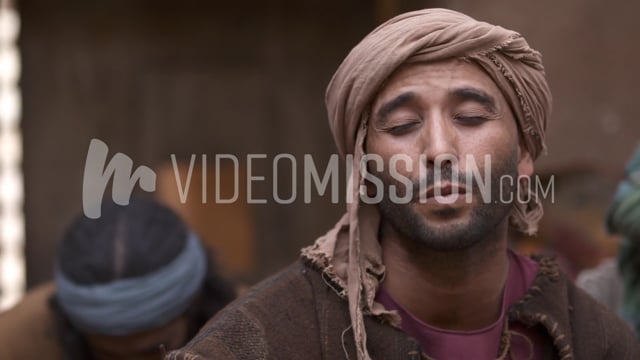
399	187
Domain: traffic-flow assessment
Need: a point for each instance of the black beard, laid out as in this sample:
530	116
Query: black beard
483	219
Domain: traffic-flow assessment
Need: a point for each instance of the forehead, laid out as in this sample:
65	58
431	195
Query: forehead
439	77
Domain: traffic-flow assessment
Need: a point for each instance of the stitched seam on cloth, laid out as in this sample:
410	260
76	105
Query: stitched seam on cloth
527	340
328	281
322	263
329	278
548	269
505	341
559	339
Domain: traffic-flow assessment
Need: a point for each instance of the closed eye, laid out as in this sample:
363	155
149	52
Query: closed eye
401	129
471	120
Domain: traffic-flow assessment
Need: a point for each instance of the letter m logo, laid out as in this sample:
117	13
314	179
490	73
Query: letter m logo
96	177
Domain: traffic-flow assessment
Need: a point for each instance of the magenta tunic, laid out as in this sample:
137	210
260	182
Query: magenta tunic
481	344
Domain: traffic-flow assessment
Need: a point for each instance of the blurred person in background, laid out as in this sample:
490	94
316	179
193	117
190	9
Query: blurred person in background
572	228
131	284
617	284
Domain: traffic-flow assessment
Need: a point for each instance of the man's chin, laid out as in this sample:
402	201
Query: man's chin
440	227
443	213
447	229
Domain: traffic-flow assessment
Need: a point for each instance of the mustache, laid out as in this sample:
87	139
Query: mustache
443	175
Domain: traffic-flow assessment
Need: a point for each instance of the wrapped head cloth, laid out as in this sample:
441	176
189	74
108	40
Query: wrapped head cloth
349	254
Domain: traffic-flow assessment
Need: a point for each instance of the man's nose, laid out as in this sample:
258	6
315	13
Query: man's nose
439	139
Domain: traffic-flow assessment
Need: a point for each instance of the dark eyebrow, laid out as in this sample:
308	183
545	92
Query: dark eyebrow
476	95
392	105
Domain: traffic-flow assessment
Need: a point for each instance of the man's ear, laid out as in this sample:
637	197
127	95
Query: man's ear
525	162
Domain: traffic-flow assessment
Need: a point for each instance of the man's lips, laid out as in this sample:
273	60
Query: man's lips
444	190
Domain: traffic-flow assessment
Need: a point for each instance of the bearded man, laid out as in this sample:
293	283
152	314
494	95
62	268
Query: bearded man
430	277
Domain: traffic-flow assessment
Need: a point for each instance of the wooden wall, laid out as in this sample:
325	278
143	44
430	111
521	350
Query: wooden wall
154	78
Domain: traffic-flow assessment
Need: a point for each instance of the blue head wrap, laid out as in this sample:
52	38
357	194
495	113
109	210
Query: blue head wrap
132	305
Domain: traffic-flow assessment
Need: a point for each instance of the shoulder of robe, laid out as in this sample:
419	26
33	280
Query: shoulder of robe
274	317
27	331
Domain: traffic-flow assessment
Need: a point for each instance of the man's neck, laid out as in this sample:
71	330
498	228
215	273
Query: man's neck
455	290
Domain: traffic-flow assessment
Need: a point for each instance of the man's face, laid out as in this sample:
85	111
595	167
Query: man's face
429	110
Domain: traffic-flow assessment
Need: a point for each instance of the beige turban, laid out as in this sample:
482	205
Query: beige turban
350	254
